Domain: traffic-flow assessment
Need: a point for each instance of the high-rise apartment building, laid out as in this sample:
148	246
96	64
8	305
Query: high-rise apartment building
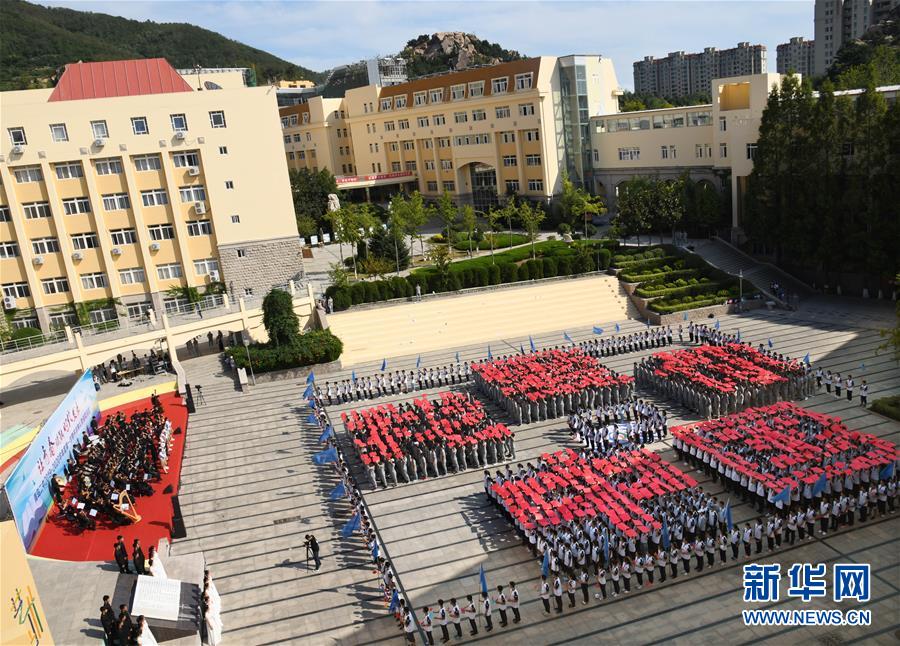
796	56
123	182
680	74
841	21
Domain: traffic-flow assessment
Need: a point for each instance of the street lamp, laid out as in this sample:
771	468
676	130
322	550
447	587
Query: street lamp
249	362
741	290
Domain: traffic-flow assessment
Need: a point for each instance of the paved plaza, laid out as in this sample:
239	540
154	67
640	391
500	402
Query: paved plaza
250	492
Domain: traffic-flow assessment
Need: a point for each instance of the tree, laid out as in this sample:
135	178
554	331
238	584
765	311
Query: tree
279	318
577	204
397	228
439	255
468	222
417	215
382	246
668	206
310	192
338	276
448	213
531	218
493	217
635	207
306	226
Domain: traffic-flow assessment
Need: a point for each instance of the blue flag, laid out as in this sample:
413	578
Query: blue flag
353	376
618	328
717	325
887	471
395	601
312	419
819	485
666	539
311	378
312	404
606	545
598	330
521	348
308	392
482	579
419	361
729	521
338	492
568	338
648	322
545	565
770	343
328	432
685	317
457	357
490	356
383	365
531	341
806	359
323	457
784	496
738	335
351	526
375	551
862	367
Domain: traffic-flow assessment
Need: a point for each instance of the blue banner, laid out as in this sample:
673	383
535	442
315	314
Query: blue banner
28	487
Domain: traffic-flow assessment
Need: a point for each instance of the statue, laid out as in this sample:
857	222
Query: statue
334	204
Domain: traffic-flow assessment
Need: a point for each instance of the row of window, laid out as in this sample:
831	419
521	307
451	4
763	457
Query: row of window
59	132
109	166
506	137
116	201
701	151
458	92
501	112
656	122
512	186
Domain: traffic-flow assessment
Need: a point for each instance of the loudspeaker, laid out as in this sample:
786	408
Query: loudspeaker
189	399
168	489
178	530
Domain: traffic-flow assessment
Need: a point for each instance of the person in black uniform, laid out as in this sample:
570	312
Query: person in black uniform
123	625
108	620
137	555
121	553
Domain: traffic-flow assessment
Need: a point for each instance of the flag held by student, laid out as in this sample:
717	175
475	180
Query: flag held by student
328	432
598	330
351	526
545	565
326	456
338	492
482	579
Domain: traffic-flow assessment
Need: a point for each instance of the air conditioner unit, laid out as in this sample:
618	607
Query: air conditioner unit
154	246
116	251
199	208
77	255
180	135
9	302
193	171
99	142
18	149
38	260
213	276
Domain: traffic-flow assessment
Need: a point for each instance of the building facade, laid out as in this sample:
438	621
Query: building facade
841	21
124	182
797	55
680	74
478	134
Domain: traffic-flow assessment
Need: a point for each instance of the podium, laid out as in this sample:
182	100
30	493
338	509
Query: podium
171	607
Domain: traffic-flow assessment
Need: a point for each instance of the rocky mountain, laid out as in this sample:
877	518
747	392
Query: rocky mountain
452	50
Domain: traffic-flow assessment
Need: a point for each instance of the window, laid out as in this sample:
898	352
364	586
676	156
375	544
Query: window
476	88
411	166
205	267
223	150
723	124
161	232
532	135
58	132
96	280
389	126
26	174
9	250
702	150
393	146
386	103
439	120
457	92
217	119
85	241
123	236
629	154
169	271
179	122
235	219
429	164
306	117
460	117
59	285
99	129
297	138
76	205
5	215
400	102
284	122
419	98
667	152
139	126
145	163
431	187
137	311
510	160
751	151
395	167
16	290
186	160
446	164
155	197
437	96
241	253
229	184
408	145
498	86
44	245
427	144
17	136
192	193
526	109
132	276
116	202
287	139
502	112
35	210
403	124
110	166
523	81
293	120
508	137
512	186
450	186
479	115
422	122
69	170
535	185
444	142
723	150
699	118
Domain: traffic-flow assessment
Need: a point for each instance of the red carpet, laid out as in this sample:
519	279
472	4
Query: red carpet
60	539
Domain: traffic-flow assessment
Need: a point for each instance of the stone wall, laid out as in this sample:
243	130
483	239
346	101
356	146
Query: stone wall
262	264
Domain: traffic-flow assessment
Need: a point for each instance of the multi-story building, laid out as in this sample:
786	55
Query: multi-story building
798	56
123	182
680	74
477	133
841	21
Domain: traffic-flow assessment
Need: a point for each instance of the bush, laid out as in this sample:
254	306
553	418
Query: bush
604	256
341	299
888	406
549	267
279	319
493	274
480	277
524	272
509	273
373	293
358	293
316	346
454	283
25	333
564	266
401	287
385	290
536	268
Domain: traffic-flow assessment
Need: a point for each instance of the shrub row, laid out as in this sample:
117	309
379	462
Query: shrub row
501	241
702	299
315	346
637	254
660	273
705	286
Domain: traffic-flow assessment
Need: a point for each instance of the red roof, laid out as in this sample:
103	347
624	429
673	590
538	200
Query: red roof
118	78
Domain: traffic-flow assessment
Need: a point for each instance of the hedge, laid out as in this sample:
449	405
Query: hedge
679	304
501	241
554	258
888	406
629	256
315	346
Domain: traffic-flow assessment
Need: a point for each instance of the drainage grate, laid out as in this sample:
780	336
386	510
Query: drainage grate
282	521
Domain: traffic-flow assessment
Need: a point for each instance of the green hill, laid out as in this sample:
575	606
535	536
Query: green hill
875	56
36	42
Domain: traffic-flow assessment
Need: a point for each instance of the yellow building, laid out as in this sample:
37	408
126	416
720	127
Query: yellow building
478	133
123	181
297	84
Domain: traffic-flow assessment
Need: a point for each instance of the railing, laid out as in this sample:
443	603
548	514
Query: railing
37	341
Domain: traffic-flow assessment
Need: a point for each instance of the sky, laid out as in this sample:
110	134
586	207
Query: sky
321	35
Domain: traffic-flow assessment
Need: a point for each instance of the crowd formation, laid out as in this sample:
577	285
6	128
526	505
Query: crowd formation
609	346
631	424
112	465
122	367
392	383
